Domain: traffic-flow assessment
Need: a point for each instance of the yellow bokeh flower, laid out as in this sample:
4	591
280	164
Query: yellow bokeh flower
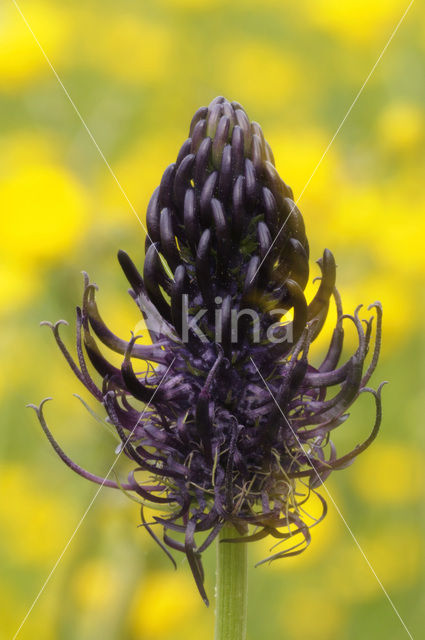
17	285
161	603
21	61
298	153
394	553
392	475
357	21
44	213
35	524
401	127
45	210
192	5
94	585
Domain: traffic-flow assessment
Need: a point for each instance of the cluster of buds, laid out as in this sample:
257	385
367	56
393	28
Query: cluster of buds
228	422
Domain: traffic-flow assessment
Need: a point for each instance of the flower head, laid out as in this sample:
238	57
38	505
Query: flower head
223	416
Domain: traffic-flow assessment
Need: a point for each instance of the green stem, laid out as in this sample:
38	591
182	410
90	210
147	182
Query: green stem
231	588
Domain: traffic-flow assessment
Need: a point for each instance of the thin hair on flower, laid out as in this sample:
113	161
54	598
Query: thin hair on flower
223	415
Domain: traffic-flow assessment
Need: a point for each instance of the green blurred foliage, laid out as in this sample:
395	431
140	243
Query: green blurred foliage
136	72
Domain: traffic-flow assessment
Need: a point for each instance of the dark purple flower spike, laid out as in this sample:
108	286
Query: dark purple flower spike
226	258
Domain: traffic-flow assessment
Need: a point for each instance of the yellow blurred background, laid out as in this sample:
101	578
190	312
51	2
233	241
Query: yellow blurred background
137	70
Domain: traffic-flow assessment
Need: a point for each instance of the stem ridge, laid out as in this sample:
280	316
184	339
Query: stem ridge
231	587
